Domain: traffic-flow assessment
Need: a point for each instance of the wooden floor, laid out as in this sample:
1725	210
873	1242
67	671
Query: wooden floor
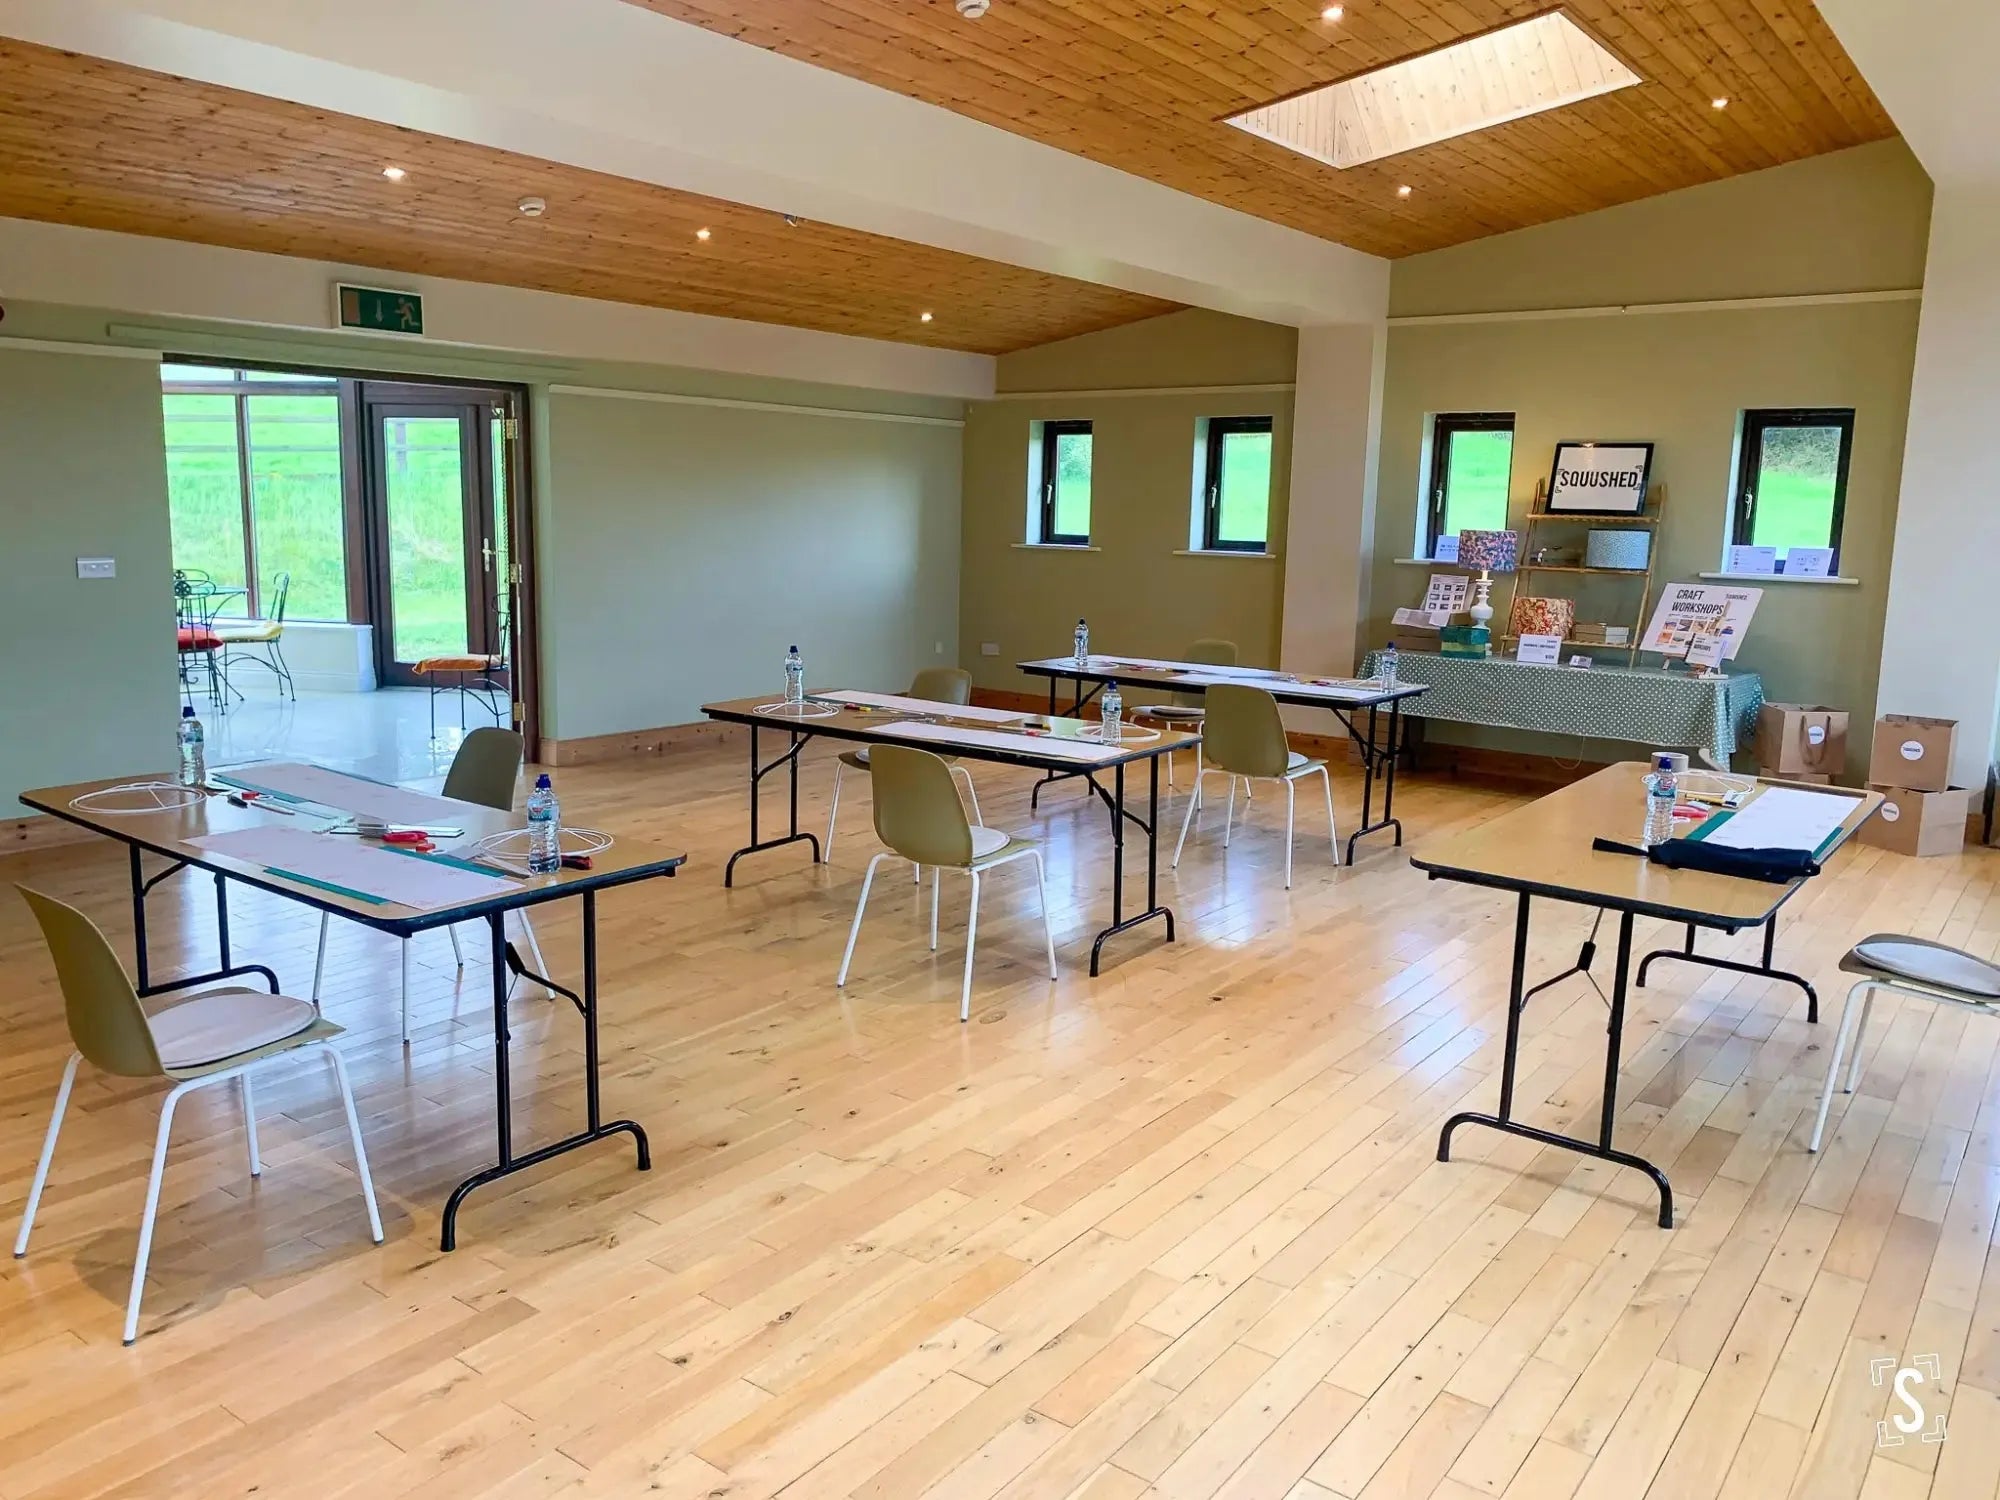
1175	1232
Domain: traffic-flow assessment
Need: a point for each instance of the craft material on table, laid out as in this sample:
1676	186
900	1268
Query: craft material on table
923	706
367	871
1780	818
341	792
1049	744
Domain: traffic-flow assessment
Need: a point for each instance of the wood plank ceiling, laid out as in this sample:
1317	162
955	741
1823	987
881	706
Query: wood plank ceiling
1144	85
100	144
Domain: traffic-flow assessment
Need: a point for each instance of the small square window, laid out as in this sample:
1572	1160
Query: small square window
1472	461
1064	509
1236	488
1791	486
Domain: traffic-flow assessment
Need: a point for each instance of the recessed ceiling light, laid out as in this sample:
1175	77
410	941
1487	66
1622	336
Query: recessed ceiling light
532	208
1333	13
1718	102
923	317
701	234
1403	191
394	174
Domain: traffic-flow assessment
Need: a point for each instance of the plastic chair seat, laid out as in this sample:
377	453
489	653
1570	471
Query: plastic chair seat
222	1024
987	842
1295	763
858	759
1918	961
1177	712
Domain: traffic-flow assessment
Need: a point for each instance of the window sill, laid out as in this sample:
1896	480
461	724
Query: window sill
1426	562
1839	581
1054	547
1224	552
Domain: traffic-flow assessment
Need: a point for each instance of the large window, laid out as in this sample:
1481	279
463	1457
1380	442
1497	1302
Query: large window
1064	508
1236	488
1792	479
1472	455
254	485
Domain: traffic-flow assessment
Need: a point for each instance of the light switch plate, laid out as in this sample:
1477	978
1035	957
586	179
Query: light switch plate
989	648
97	567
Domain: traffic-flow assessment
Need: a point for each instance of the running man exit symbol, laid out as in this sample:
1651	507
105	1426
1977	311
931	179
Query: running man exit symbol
376	310
1907	1416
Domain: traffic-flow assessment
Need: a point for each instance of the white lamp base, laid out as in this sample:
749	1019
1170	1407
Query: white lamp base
1482	604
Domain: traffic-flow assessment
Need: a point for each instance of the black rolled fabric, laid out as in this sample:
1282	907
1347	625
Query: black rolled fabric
1777	866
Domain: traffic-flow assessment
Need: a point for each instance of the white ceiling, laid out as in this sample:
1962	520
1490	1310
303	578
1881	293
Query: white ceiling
620	89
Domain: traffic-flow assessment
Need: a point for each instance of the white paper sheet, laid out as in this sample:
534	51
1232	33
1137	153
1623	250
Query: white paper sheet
1782	817
349	794
948	735
421	884
924	706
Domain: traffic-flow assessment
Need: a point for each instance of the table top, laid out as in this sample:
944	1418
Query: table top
979	734
170	834
1543	848
1190	676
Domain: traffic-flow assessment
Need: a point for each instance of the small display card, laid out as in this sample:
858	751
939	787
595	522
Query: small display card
1445	548
1447	592
1544	650
1809	562
1707	645
1752	560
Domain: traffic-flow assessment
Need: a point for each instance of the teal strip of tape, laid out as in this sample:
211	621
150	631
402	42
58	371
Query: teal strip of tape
327	885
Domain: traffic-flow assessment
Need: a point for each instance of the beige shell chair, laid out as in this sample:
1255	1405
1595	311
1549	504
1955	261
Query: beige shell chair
483	771
1186	710
208	1038
950	685
1244	735
918	815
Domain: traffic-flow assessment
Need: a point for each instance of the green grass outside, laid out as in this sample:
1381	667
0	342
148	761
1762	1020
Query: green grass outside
1478	473
1794	509
1244	507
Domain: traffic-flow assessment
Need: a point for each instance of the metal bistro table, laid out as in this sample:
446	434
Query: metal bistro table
1342	699
169	835
973	734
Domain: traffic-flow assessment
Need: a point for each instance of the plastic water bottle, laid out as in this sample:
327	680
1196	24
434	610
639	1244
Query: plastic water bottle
544	828
1662	786
1111	712
795	677
1385	665
194	759
1082	644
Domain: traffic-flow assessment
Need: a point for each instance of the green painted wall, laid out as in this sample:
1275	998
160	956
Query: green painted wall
1138	594
1854	221
88	681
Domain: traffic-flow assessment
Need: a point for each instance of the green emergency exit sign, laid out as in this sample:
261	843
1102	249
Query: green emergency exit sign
371	309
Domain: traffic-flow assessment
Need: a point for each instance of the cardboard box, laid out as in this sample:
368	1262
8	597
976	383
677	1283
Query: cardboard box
1810	778
1921	823
1800	737
1912	752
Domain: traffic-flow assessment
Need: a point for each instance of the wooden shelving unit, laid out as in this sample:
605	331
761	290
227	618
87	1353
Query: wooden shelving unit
1539	518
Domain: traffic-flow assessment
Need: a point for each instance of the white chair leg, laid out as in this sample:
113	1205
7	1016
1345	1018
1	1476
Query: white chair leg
457	953
152	1208
971	939
832	814
1042	895
1840	1044
534	949
1229	816
1187	818
1332	828
972	795
406	991
250	1124
319	963
859	907
1291	812
1854	1047
48	1154
354	1134
937	883
1197	774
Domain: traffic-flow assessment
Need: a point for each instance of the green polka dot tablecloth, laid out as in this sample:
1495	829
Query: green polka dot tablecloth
1670	710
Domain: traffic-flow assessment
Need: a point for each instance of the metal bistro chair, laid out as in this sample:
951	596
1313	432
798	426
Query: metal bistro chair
1244	735
918	815
243	643
952	685
484	771
1909	966
206	1039
1186	710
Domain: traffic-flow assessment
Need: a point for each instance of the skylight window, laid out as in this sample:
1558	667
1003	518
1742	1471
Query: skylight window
1472	85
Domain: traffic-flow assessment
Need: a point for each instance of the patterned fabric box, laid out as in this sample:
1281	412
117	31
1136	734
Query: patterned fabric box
1606	548
1534	615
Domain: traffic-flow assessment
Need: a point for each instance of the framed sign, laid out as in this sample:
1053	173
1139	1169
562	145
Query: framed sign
1600	479
1686	610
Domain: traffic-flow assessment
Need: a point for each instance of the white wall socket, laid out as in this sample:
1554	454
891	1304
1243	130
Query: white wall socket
97	567
989	648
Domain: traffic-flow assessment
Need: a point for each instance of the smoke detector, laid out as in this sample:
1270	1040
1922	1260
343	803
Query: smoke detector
532	208
972	10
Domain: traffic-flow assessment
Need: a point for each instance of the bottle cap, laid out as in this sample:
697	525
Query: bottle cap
792	648
187	711
541	781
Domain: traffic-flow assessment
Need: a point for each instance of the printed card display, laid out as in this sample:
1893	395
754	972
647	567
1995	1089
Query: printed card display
1542	650
1445	548
1751	560
1707	643
1604	479
1448	592
1809	562
1686	607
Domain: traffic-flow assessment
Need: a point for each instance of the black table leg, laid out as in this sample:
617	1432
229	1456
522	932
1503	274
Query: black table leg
142	958
757	845
1084	693
1763	970
505	961
1601	1148
1151	824
1371	757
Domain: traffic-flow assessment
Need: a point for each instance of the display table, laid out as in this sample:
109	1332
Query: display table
1641	705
